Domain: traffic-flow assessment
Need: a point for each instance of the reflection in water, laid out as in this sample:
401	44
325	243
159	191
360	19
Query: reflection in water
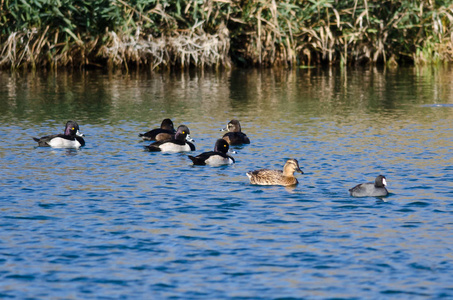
112	220
272	94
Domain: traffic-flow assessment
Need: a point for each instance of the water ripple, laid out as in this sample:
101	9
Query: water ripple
113	221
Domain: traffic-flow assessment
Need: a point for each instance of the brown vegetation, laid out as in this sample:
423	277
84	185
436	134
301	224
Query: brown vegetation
215	33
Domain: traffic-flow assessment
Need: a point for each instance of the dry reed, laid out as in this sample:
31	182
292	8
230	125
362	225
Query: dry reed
214	33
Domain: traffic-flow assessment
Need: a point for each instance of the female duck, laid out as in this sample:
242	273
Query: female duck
276	177
371	189
235	136
165	132
216	158
71	138
177	144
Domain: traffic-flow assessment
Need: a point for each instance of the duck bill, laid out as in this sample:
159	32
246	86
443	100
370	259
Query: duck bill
299	170
190	139
79	133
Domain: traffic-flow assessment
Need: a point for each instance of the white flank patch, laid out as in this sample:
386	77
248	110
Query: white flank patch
217	160
59	142
170	147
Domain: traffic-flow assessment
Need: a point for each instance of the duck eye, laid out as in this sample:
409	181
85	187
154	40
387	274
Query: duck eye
72	128
183	132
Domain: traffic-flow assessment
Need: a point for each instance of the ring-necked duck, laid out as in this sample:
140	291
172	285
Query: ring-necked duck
165	132
216	158
177	144
71	138
276	177
235	136
371	189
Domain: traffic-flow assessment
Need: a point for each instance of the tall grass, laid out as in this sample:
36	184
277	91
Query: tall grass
215	33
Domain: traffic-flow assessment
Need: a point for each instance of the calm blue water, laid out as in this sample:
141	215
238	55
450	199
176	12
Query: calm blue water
112	221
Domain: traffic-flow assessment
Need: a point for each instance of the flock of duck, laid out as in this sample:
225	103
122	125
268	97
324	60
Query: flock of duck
167	139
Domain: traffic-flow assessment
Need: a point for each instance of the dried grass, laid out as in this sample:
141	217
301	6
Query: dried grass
30	49
257	32
192	47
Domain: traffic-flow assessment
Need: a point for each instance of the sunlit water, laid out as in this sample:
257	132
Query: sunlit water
113	221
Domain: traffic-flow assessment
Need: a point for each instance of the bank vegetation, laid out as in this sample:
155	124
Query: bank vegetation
159	34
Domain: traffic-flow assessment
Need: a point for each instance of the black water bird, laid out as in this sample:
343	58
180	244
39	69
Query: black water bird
235	136
72	138
371	189
178	143
217	157
165	132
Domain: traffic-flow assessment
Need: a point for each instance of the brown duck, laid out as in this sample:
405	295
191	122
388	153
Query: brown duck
235	136
276	177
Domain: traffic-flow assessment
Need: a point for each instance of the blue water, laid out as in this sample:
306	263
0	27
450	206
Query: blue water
112	221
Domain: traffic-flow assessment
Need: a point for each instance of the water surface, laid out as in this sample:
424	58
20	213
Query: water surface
113	221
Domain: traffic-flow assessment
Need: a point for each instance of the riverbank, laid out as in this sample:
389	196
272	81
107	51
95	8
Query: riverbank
222	34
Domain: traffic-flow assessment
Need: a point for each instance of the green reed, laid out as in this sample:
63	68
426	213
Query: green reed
214	33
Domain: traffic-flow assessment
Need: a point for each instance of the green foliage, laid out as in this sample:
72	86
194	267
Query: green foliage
257	32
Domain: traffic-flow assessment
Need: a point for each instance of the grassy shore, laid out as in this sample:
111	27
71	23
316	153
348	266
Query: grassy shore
222	33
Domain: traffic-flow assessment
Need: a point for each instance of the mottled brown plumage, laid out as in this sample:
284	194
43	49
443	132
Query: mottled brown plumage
276	177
